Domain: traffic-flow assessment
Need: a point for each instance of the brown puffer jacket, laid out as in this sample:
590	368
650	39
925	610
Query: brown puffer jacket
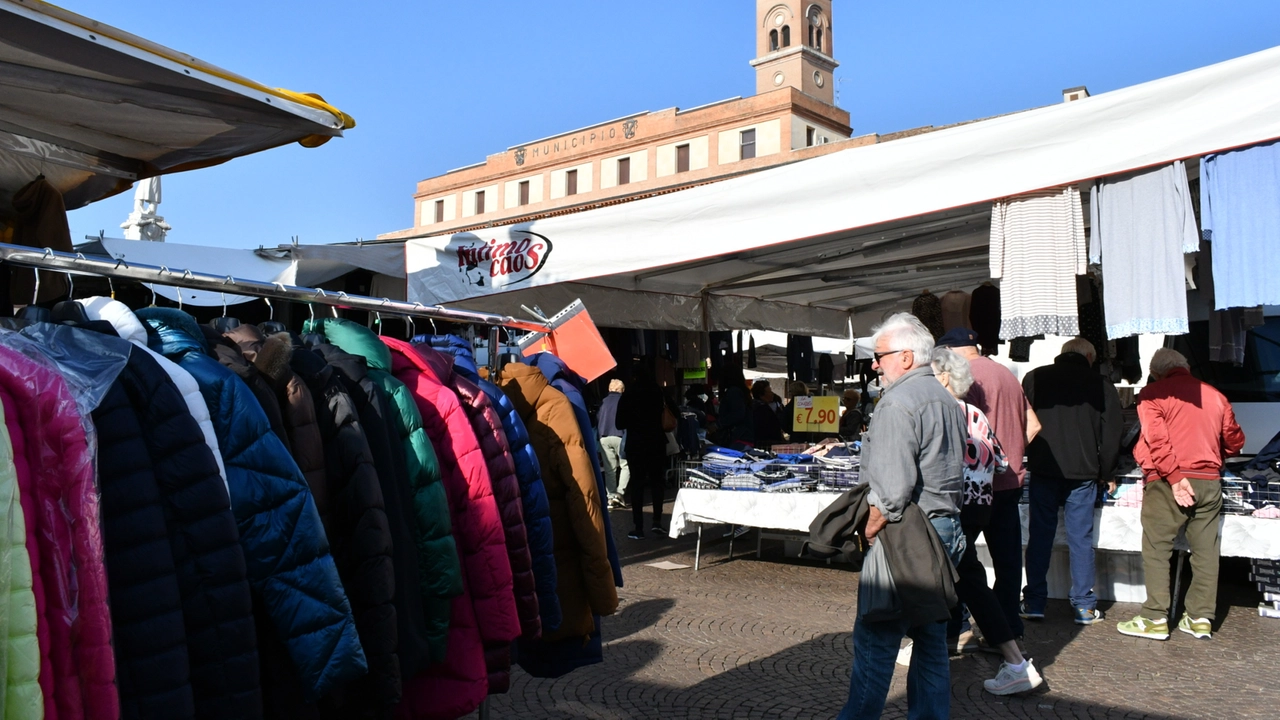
577	521
297	408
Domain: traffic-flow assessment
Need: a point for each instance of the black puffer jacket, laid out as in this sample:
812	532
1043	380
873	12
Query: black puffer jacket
374	412
359	534
144	419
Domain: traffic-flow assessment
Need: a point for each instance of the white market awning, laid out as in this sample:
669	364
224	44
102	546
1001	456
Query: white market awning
93	108
856	234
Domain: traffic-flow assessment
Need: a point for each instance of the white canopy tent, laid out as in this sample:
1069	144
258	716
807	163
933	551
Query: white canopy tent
807	247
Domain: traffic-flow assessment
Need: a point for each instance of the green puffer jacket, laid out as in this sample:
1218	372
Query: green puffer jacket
19	647
440	568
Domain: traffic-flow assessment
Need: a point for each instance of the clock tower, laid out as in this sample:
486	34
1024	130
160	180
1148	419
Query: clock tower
794	47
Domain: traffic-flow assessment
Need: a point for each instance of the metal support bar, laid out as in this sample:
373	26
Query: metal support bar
697	552
76	262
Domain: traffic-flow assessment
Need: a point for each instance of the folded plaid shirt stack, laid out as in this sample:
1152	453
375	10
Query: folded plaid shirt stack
741	481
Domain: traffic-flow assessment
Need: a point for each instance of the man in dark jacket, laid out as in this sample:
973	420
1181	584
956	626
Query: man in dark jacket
1079	440
617	472
913	462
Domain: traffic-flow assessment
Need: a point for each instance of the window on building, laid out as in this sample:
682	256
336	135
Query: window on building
773	40
479	202
624	171
808	137
747	144
811	31
571	182
439	211
682	158
786	36
819	45
524	192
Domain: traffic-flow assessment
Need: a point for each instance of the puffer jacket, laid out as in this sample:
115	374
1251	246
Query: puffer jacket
585	578
23	699
533	496
412	645
359	534
289	566
60	503
297	407
487	427
440	569
130	328
203	537
476	520
574	388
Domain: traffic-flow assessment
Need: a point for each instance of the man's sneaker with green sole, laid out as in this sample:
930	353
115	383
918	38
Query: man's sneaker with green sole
1202	628
1144	628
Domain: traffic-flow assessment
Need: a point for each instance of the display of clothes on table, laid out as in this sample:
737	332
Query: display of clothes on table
365	535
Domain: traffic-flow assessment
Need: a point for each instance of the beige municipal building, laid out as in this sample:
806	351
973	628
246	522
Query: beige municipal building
791	117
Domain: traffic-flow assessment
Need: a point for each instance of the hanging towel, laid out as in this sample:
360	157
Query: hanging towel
1037	248
928	309
1141	225
984	317
1240	213
956	305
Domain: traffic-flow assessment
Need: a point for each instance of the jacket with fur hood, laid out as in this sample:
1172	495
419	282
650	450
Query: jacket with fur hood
130	328
359	534
23	699
486	427
297	406
225	351
287	554
585	579
533	496
374	408
440	570
60	505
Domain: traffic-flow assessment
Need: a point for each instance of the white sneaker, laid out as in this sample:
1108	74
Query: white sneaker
904	655
1010	681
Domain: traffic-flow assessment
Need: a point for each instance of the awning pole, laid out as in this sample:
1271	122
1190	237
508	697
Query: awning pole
48	259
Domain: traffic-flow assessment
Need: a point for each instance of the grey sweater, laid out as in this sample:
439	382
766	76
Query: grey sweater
914	448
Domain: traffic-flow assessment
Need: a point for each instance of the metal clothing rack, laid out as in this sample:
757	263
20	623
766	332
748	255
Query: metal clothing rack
48	259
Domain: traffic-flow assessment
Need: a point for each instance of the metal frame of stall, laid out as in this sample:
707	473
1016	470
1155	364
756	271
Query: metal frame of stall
48	259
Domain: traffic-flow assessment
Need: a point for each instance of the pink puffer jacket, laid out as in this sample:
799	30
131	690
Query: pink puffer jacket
64	537
487	426
477	525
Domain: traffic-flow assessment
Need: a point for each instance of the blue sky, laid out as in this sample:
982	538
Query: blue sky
437	85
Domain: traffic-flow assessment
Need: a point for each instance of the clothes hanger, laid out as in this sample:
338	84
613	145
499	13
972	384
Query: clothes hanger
32	312
224	324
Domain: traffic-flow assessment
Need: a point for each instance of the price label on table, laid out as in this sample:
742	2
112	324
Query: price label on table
817	414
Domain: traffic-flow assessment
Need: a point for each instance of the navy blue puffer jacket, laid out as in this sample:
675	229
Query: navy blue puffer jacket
537	510
286	552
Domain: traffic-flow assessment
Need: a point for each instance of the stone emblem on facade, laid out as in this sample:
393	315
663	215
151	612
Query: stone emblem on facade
519	156
629	129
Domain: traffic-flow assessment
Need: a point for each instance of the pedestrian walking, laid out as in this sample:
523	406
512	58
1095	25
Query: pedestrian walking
616	470
1068	463
983	458
640	414
998	394
1188	432
913	463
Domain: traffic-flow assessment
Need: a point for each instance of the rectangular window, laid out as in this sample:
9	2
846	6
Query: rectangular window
439	211
524	192
571	182
682	158
747	144
624	171
479	202
808	137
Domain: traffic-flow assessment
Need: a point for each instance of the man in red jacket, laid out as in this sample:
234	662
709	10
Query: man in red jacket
1188	430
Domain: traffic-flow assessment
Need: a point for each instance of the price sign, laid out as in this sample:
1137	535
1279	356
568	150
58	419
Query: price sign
817	414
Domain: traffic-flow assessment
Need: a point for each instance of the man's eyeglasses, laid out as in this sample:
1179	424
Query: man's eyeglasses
885	354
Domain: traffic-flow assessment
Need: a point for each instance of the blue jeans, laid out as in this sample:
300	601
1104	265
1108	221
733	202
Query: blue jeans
1004	542
1078	498
875	649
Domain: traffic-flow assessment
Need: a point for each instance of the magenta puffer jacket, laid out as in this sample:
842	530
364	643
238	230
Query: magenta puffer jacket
487	426
477	524
60	502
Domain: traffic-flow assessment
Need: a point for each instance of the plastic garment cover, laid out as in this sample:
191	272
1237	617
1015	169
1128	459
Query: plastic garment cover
64	540
89	362
877	595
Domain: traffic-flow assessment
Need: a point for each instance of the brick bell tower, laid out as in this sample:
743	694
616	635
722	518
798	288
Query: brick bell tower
794	47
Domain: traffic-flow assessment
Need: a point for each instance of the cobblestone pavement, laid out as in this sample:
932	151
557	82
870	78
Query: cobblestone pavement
771	639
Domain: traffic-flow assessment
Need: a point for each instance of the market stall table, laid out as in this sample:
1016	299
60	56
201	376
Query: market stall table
761	510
